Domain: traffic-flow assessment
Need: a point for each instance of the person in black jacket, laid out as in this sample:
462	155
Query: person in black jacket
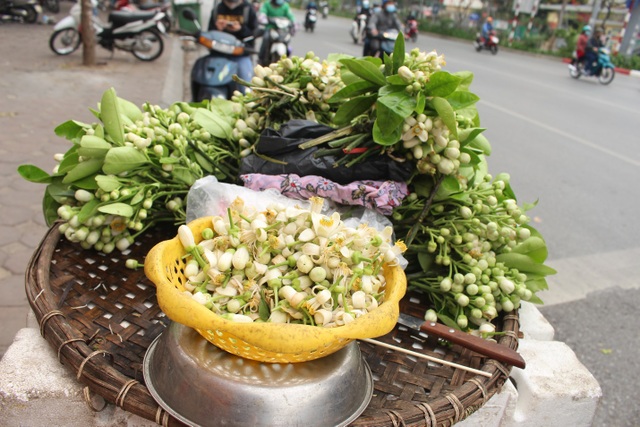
385	20
237	17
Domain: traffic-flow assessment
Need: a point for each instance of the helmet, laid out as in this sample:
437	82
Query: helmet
586	29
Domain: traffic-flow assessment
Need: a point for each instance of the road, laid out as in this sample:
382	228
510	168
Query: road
572	146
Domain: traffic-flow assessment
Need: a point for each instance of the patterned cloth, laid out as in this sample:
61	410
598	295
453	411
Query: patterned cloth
381	196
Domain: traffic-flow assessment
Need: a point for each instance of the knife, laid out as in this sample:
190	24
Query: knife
487	348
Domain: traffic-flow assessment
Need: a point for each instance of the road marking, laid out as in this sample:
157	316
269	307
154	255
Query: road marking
564	134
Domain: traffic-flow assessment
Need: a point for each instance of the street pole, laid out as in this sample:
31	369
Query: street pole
88	35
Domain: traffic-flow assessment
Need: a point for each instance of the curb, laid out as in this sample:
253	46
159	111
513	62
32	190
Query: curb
624	71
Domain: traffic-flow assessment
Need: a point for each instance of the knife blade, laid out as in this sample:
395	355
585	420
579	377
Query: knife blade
487	348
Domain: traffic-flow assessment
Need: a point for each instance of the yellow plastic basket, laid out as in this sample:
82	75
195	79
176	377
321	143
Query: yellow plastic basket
264	342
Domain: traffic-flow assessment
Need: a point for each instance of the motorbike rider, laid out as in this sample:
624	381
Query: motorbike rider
310	6
385	20
237	17
487	29
366	50
581	44
272	9
591	52
364	9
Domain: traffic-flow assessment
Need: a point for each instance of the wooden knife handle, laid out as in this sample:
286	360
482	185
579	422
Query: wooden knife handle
487	348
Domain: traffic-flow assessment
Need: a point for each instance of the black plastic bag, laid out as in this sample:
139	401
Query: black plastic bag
283	145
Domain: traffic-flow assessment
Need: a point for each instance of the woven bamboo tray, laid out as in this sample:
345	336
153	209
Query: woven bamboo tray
100	318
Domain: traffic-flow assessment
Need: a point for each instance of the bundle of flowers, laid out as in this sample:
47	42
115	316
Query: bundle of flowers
470	245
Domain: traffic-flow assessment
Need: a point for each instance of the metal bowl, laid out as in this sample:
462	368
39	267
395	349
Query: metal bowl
201	385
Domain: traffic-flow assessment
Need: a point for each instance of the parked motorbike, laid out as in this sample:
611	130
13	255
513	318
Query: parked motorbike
279	38
52	6
137	32
147	7
411	30
310	20
358	27
603	69
20	10
212	74
489	43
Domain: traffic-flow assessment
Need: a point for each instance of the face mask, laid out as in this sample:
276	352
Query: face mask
376	9
390	8
279	2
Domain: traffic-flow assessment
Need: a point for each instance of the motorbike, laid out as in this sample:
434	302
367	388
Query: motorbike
137	32
387	42
411	30
147	7
279	38
212	74
603	69
324	7
52	6
310	20
20	10
489	43
358	27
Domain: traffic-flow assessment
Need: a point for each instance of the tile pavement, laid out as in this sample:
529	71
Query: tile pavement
38	91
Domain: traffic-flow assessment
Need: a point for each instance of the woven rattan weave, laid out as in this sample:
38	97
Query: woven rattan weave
100	317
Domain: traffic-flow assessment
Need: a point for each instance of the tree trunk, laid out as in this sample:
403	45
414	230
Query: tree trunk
88	34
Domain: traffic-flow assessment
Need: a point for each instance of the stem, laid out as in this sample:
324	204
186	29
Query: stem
326	137
427	206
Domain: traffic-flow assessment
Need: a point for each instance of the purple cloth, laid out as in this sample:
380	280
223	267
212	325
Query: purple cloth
381	196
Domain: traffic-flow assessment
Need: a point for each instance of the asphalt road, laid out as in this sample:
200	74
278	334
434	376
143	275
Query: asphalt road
572	146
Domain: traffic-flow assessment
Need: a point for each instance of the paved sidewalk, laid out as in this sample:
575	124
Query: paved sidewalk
38	91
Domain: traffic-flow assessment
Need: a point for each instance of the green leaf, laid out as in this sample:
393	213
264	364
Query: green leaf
122	159
263	307
71	129
93	146
129	110
398	53
353	90
365	70
448	321
83	170
34	174
420	103
480	142
468	134
446	113
396	80
214	123
425	260
88	210
400	103
121	209
448	188
89	183
353	108
462	99
537	284
50	209
442	84
203	162
58	191
139	197
69	161
524	264
184	175
534	247
110	116
466	77
108	183
386	138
